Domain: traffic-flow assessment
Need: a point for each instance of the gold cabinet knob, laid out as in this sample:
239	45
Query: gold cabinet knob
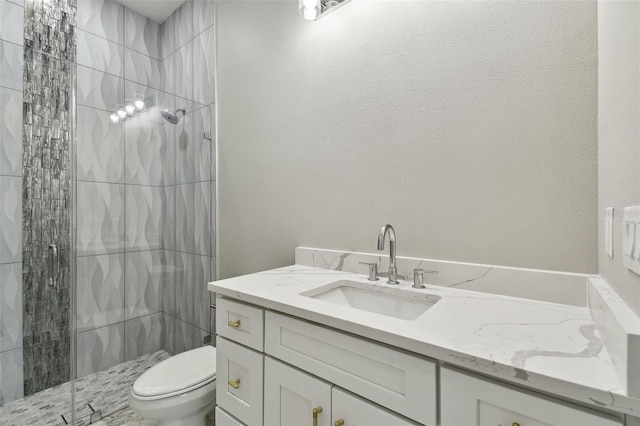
317	410
234	384
234	324
339	422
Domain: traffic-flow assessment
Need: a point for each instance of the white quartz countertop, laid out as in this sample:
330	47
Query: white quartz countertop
550	347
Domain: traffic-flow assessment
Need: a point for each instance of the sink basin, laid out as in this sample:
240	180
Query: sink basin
396	303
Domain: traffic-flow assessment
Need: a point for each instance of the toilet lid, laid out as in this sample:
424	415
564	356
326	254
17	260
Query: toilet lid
179	372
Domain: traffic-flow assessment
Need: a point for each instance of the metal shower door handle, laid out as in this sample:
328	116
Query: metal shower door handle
53	265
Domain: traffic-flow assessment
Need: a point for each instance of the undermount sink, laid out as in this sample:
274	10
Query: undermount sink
396	303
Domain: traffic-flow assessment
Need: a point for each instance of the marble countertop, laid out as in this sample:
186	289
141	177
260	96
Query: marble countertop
549	347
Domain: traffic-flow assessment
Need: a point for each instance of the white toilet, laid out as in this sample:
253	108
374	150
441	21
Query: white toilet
179	391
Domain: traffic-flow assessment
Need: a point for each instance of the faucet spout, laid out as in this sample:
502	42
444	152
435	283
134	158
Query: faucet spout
393	270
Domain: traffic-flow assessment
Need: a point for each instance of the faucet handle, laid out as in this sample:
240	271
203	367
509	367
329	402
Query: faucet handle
418	277
373	270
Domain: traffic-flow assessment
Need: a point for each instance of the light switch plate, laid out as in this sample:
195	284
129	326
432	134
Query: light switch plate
631	238
608	231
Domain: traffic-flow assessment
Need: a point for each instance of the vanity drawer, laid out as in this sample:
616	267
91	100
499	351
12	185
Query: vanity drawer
469	400
240	323
239	378
225	419
395	379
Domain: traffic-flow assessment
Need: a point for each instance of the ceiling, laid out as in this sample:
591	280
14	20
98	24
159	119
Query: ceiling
157	10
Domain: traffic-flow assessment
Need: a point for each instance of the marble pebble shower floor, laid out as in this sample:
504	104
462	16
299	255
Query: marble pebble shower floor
105	392
127	206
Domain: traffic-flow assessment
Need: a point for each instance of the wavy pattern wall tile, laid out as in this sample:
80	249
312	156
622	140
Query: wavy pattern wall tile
202	232
141	34
10	306
170	164
141	68
203	15
10	219
184	72
104	18
169	219
168	74
203	273
168	333
11	376
144	275
142	336
184	286
144	210
11	22
185	337
10	132
145	146
184	218
100	349
100	147
99	90
203	62
184	24
11	65
100	299
100	54
175	273
185	170
100	218
202	148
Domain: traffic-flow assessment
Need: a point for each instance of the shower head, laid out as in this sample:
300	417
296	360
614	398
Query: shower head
172	117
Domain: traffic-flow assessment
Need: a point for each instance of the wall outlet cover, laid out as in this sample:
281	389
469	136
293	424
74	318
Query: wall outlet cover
608	231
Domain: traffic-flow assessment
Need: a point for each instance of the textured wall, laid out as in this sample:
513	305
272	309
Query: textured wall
49	54
618	133
11	86
469	126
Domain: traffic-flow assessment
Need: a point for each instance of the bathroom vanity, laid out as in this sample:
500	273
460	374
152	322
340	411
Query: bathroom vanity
296	345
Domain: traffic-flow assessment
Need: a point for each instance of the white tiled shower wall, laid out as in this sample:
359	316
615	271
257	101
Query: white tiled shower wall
11	52
146	197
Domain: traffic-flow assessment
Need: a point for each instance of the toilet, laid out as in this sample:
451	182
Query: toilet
179	391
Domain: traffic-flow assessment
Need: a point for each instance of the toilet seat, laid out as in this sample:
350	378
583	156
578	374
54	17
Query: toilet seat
177	375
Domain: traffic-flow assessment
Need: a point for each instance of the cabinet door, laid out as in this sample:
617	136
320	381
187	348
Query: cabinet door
290	397
467	400
350	410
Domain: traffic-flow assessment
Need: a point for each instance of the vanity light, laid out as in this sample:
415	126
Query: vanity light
312	10
122	114
130	109
114	117
139	104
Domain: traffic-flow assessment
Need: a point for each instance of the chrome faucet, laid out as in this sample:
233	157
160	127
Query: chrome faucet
393	271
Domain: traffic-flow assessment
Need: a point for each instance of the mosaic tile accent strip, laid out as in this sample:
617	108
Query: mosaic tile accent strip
107	391
49	54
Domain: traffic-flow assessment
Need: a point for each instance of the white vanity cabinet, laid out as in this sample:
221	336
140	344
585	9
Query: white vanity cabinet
275	369
469	400
293	397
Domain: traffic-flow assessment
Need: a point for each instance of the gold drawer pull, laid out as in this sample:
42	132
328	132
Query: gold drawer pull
234	324
316	411
233	384
339	422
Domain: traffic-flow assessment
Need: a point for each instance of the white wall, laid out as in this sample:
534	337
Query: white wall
470	126
618	133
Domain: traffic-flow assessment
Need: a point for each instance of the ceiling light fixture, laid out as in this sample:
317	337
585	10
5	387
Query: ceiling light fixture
312	10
